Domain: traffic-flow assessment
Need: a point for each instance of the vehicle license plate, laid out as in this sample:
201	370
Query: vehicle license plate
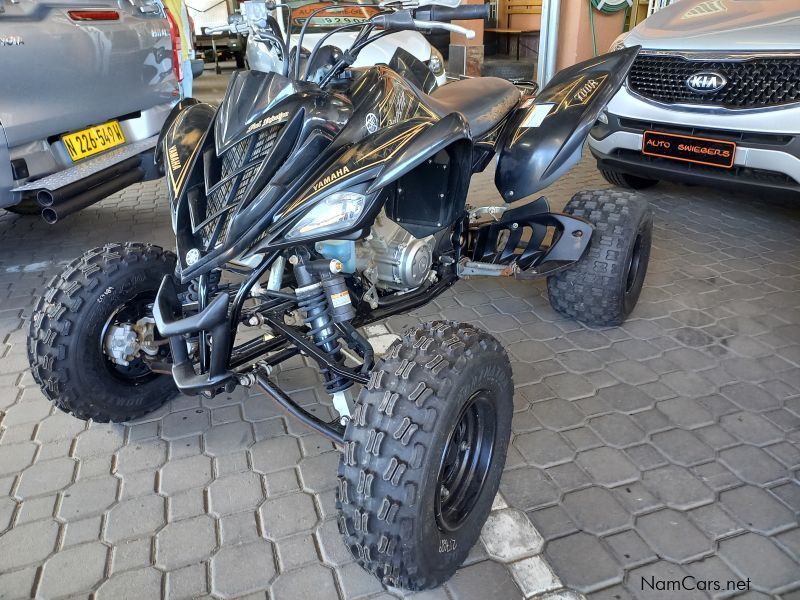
93	140
703	151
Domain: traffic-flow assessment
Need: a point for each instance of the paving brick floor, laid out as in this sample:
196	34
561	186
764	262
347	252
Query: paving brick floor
667	447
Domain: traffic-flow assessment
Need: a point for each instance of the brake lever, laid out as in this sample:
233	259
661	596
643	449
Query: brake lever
467	33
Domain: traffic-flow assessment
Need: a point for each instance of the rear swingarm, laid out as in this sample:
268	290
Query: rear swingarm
527	242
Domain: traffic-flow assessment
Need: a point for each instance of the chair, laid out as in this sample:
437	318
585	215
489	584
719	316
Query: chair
517	7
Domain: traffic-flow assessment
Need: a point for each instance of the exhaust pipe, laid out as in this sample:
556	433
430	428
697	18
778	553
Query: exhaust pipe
49	197
57	210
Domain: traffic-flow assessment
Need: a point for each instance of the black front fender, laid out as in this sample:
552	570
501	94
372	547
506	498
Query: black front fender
180	142
173	114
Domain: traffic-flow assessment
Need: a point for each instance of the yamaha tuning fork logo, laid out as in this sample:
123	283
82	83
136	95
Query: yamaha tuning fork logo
706	82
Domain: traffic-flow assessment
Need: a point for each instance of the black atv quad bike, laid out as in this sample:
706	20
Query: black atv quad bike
323	198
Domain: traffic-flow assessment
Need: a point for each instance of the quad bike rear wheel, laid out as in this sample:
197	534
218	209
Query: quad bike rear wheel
424	452
602	288
68	344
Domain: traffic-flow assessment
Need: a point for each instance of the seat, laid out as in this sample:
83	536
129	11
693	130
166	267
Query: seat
483	101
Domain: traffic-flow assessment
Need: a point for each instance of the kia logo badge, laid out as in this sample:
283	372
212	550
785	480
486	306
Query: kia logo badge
706	82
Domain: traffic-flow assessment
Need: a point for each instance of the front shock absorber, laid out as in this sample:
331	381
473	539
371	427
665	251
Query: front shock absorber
324	300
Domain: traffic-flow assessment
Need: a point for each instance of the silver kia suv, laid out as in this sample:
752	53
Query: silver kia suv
713	98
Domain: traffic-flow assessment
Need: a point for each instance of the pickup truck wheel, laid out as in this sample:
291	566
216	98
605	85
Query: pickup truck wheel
74	351
602	288
424	452
627	181
27	207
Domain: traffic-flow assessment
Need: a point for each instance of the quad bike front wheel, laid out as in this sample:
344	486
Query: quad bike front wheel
424	452
602	288
90	332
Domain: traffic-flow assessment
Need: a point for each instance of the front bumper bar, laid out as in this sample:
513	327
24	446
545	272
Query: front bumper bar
213	319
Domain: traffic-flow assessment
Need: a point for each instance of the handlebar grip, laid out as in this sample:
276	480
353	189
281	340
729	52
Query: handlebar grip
458	13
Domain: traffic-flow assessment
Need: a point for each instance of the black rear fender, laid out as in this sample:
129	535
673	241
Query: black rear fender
544	136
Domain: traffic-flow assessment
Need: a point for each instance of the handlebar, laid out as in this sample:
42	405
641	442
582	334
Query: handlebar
446	13
255	20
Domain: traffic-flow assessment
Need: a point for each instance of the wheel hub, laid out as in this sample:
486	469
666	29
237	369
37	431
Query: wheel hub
124	342
465	462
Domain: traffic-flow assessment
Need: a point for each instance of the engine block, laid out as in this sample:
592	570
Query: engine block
391	258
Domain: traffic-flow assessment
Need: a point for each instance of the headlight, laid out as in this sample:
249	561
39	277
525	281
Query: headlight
338	211
437	62
618	43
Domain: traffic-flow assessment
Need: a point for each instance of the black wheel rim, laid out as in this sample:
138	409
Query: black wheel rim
137	372
465	462
635	264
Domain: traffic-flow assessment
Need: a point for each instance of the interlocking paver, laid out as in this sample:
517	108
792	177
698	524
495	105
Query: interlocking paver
235	493
528	488
483	580
672	535
287	515
677	487
596	510
15	457
134	517
185	473
751	428
311	581
629	548
757	510
556	413
753	465
581	560
88	497
241	569
184	542
693	405
683	447
73	570
131	554
27	544
608	466
543	448
617	430
757	557
144	456
131	585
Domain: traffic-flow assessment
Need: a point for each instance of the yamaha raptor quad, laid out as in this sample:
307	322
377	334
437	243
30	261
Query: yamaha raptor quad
321	198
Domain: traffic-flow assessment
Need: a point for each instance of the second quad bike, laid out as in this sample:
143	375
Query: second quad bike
321	198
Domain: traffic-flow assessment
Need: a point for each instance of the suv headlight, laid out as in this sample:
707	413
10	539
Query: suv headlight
618	43
436	62
335	212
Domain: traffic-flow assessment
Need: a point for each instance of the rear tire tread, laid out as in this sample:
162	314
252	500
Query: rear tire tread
590	291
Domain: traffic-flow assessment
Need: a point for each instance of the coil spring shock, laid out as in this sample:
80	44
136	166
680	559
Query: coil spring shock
313	301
